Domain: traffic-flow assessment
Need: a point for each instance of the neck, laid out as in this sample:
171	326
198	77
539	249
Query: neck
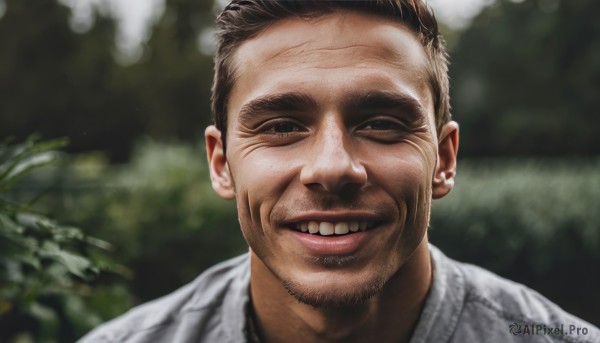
391	315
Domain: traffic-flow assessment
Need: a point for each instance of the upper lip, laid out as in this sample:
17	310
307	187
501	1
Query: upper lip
333	216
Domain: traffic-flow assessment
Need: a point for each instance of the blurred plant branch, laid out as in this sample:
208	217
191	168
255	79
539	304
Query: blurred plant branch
43	264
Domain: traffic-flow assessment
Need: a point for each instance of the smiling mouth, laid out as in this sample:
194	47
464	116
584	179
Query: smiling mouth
327	228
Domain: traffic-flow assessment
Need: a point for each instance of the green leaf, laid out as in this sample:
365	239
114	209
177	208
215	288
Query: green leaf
17	160
77	265
19	168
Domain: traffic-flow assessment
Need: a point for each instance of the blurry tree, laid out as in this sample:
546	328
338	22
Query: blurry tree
58	82
526	77
61	83
172	81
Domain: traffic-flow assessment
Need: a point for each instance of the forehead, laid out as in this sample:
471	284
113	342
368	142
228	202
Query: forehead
333	51
294	35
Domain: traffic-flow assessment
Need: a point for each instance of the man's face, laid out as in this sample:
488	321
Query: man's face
330	128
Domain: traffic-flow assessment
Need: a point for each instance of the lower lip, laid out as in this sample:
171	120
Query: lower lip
332	245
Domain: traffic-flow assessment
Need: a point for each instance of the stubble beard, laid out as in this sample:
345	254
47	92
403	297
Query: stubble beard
335	298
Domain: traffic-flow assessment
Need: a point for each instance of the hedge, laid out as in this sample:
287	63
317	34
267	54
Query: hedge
533	221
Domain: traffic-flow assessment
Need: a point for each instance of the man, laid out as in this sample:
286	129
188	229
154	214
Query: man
333	133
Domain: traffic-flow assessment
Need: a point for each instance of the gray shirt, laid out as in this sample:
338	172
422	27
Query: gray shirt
465	304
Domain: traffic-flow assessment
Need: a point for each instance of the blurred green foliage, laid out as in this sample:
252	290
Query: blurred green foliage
532	221
159	210
46	268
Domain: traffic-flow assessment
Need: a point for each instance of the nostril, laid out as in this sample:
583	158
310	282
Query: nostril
333	177
336	185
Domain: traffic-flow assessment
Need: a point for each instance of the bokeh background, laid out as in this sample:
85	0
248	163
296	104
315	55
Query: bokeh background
128	84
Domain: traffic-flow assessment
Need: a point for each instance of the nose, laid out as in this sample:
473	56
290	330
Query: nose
331	166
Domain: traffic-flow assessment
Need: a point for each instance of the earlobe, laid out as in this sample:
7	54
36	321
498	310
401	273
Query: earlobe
220	174
445	171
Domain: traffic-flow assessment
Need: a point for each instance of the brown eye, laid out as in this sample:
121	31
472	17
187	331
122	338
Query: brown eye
381	125
284	128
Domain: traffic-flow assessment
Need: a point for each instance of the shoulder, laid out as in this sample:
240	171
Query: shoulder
192	312
505	309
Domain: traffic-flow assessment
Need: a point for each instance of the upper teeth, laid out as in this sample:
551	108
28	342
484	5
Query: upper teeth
329	228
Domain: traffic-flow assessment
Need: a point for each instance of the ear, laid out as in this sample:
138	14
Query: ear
220	175
445	171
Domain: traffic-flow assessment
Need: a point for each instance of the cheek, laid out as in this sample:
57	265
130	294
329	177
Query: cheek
405	175
403	168
260	180
408	184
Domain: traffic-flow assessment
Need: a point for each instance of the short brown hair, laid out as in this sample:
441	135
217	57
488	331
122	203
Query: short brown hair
242	19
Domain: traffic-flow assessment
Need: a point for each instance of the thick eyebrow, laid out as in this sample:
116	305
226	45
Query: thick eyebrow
381	100
283	102
353	103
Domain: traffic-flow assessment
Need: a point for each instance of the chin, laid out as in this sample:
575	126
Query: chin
336	292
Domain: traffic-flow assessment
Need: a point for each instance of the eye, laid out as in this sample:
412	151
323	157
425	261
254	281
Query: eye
282	127
380	125
285	127
382	129
281	131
